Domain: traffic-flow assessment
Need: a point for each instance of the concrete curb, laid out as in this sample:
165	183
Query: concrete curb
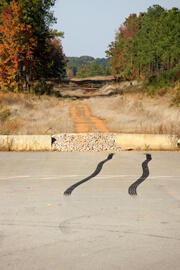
147	141
124	141
25	142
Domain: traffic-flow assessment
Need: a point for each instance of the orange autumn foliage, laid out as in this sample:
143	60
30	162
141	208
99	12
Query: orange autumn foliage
16	48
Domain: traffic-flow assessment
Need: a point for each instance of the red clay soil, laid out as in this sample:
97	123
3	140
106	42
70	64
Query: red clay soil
85	122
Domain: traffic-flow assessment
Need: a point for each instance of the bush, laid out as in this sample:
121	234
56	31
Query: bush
176	98
41	88
163	83
4	112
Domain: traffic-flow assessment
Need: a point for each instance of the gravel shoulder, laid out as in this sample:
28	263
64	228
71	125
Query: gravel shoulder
85	142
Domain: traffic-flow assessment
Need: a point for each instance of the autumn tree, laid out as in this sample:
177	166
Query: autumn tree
56	64
123	50
69	74
16	48
38	15
83	72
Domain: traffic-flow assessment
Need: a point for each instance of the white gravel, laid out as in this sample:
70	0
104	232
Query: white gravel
68	142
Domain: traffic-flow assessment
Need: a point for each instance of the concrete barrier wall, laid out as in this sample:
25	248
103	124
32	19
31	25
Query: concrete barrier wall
25	142
124	141
146	141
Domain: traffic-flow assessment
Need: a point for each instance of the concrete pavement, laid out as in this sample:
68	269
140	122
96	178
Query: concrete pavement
102	223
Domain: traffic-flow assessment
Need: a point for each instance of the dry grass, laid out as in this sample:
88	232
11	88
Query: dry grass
33	115
127	113
137	113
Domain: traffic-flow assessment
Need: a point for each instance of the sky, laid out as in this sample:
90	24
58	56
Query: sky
90	25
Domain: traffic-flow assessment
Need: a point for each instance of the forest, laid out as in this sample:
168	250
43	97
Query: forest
147	47
87	66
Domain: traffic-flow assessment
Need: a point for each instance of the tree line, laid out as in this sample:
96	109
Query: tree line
147	46
87	66
29	49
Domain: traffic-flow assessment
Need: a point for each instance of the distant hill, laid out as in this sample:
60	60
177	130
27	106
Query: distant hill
98	66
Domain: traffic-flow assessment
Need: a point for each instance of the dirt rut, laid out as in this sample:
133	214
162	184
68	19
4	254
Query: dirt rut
85	122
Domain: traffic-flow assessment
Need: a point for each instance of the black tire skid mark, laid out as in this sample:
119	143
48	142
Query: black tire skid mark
95	173
133	188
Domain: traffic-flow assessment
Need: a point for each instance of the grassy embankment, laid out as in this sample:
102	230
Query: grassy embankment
153	108
29	114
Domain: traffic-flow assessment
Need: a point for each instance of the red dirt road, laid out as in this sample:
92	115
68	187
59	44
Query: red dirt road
85	122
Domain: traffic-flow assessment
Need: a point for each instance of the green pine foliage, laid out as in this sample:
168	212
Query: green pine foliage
148	47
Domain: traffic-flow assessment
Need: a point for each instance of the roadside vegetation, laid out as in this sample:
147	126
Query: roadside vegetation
137	113
130	112
29	114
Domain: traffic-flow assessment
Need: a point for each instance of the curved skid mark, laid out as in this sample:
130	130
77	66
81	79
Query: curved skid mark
96	172
66	226
133	188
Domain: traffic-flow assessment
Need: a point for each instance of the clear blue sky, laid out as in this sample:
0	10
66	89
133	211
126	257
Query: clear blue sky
90	25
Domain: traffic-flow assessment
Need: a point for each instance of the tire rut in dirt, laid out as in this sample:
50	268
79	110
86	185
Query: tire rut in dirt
85	122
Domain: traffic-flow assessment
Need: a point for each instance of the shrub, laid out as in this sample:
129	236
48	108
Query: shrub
176	98
4	112
41	88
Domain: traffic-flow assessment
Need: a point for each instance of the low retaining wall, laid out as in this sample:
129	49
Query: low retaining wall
88	142
146	141
25	142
